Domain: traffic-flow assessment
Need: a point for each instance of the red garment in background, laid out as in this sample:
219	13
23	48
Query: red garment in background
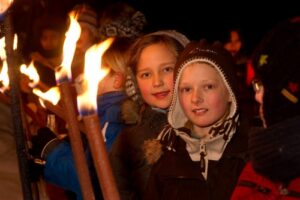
252	186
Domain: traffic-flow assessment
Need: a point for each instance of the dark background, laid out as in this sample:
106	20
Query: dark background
195	18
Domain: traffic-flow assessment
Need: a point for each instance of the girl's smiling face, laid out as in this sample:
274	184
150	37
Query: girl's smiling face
155	75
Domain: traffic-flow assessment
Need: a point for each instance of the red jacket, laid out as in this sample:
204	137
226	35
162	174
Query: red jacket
252	186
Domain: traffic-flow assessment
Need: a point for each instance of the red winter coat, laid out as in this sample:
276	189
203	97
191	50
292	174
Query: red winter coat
252	186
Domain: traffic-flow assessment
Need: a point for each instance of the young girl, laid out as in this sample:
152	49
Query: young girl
201	156
152	59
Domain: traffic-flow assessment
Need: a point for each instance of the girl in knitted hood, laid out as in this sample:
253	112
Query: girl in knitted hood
149	85
202	154
274	170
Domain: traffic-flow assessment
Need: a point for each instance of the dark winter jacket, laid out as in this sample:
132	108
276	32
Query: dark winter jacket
274	171
176	176
127	157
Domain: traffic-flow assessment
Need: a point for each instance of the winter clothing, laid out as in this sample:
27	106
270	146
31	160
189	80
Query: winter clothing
60	169
182	39
220	133
87	16
127	158
275	151
276	160
277	65
109	112
274	170
177	176
122	21
214	55
191	167
253	186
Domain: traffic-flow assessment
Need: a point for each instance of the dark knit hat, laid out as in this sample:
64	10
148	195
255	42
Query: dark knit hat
277	64
87	15
214	55
121	20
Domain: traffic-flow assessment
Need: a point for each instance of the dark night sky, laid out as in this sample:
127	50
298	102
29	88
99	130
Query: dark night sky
209	19
202	19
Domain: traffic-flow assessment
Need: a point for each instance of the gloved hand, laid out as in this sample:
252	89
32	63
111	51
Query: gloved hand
40	142
43	143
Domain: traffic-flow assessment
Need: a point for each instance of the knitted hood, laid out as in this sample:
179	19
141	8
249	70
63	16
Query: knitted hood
213	55
220	133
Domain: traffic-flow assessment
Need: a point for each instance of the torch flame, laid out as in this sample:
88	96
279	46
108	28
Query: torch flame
72	35
87	100
2	46
4	5
52	95
31	72
4	77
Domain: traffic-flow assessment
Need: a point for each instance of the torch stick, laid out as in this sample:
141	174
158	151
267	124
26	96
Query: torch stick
87	105
13	73
63	75
100	158
56	109
76	142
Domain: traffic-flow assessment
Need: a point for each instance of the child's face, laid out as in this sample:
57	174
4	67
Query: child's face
234	44
155	75
203	95
50	39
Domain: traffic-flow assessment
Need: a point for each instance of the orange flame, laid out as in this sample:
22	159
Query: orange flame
87	100
72	35
52	95
4	5
31	72
2	49
2	46
4	77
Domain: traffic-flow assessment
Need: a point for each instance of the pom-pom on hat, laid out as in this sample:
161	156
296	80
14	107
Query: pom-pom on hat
87	16
277	64
121	20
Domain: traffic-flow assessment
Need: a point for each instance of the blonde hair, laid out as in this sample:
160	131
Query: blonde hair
115	58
